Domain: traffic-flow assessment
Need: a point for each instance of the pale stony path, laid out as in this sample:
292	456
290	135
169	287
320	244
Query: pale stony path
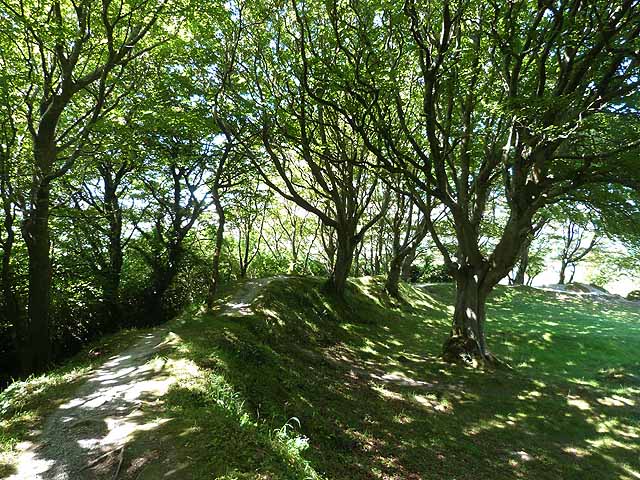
106	410
100	418
246	294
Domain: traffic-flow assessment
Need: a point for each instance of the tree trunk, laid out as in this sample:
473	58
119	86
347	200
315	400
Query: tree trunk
217	253
393	277
523	265
337	282
379	244
407	263
111	295
563	273
154	310
111	287
467	341
244	264
163	276
573	274
36	352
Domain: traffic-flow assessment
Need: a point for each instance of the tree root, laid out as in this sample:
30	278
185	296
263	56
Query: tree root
120	459
97	460
467	350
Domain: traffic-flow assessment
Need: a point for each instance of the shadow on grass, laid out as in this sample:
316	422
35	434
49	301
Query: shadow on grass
304	385
362	378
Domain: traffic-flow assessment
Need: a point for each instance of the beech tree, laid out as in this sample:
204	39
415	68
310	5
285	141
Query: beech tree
523	262
470	100
100	199
72	55
408	230
319	162
176	150
575	247
249	218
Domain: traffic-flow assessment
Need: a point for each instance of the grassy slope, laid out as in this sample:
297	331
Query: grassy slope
284	393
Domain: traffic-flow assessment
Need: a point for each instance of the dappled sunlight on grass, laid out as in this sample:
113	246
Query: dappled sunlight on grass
374	400
211	425
563	336
297	384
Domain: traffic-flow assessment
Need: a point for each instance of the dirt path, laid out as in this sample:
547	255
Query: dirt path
241	302
86	437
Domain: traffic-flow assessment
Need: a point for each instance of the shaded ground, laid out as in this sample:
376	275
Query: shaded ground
372	400
87	436
292	384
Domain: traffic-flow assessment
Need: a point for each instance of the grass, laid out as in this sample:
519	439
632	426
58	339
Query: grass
310	387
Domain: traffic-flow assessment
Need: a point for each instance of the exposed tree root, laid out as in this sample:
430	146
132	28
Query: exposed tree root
120	459
97	460
467	350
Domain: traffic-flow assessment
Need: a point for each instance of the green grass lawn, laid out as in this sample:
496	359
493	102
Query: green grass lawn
309	387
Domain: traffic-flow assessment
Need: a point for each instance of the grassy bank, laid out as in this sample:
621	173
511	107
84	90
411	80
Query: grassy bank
309	387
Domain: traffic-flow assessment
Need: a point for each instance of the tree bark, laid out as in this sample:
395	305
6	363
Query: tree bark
111	286
345	247
393	277
36	349
467	339
563	273
523	265
162	279
37	352
217	253
407	263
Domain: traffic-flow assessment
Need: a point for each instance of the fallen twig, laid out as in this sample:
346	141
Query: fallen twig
120	459
97	460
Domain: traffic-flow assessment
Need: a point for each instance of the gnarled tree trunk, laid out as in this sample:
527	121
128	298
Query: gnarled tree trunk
345	248
217	253
467	339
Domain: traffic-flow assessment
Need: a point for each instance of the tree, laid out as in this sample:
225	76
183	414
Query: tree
176	154
523	263
97	198
320	161
210	69
404	247
296	225
177	207
575	248
249	218
473	100
72	56
331	157
221	181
